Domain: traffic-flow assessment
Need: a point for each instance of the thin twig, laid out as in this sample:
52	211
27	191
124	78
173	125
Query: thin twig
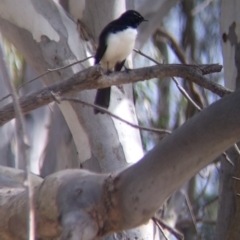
237	149
146	56
155	130
172	43
55	69
189	205
227	158
7	96
160	32
160	228
48	71
182	90
173	231
236	178
69	65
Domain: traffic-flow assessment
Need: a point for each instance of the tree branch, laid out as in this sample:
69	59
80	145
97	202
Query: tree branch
175	160
93	78
153	130
161	33
80	203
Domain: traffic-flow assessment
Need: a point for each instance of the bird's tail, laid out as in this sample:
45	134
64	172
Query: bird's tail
102	99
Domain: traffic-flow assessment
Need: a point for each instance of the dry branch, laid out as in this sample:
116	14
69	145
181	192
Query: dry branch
93	78
153	130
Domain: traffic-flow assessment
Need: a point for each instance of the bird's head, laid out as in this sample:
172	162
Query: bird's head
132	17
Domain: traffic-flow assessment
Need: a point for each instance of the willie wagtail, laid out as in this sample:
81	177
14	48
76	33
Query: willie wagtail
116	42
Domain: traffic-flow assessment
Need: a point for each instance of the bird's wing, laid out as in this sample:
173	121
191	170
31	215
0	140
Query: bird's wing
112	27
102	42
102	46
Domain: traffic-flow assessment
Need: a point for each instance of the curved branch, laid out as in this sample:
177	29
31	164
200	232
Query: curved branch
80	203
175	160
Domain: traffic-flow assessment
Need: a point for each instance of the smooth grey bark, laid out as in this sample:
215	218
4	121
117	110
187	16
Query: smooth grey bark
190	148
105	203
228	210
60	151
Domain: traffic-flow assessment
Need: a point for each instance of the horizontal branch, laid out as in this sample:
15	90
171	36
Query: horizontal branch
93	78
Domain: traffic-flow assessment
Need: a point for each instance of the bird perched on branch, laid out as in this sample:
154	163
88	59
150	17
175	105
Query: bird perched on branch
116	42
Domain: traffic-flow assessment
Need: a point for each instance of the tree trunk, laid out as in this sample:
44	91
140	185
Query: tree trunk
228	209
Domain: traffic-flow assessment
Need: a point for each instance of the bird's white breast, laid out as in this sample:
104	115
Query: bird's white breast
119	47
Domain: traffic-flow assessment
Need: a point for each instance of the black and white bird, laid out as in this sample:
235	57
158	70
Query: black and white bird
116	42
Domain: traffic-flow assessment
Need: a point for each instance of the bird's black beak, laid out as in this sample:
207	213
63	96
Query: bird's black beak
145	20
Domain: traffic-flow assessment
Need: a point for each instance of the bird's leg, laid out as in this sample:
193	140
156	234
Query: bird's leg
108	70
127	69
